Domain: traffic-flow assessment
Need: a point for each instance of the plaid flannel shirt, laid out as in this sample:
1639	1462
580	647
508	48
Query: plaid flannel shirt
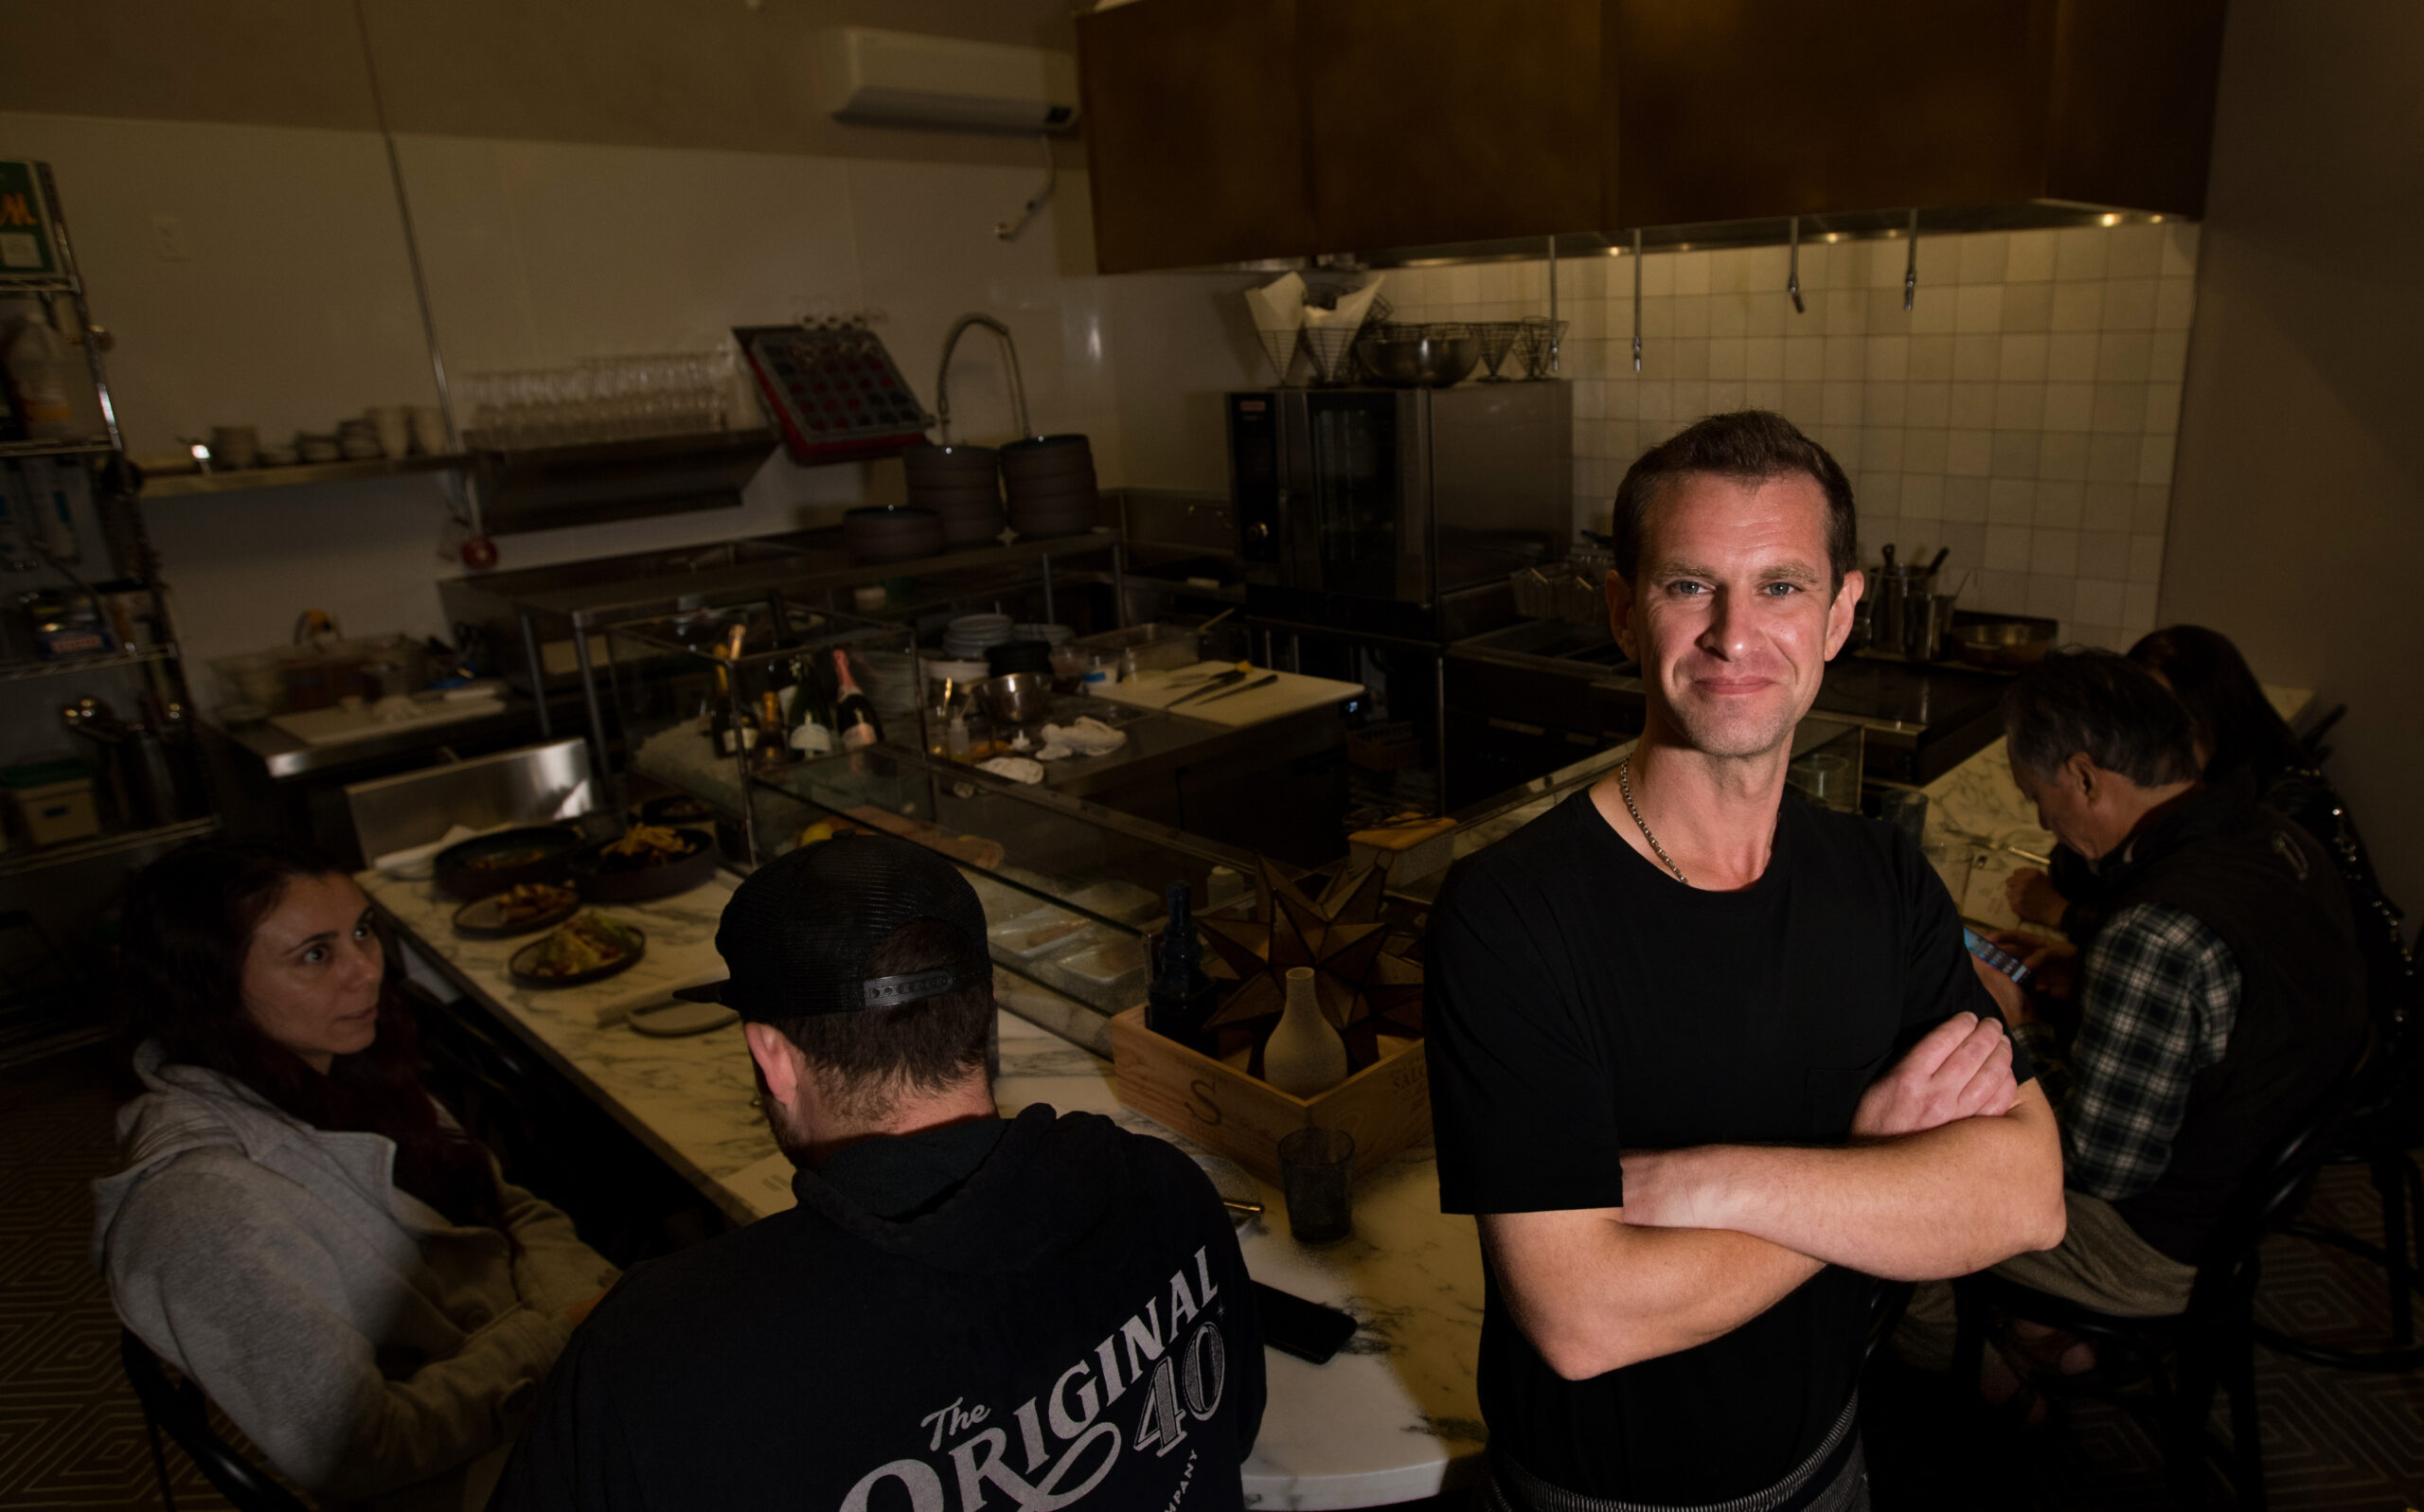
2158	995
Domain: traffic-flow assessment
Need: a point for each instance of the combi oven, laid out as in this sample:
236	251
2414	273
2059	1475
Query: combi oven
1400	494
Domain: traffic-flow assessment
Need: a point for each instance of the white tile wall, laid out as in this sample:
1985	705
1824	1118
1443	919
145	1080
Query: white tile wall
2022	412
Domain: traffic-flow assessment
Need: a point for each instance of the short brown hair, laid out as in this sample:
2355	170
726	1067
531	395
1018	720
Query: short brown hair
863	1061
1747	445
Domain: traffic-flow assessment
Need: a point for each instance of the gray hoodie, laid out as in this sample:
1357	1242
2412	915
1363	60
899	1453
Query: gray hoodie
367	1345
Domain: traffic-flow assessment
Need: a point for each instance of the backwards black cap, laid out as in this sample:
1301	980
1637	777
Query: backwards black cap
800	929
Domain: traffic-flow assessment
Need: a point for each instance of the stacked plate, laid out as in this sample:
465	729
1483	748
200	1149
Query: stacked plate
891	681
967	638
890	532
962	485
1051	481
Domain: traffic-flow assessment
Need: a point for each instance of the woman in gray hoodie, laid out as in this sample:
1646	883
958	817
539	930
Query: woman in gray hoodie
299	1227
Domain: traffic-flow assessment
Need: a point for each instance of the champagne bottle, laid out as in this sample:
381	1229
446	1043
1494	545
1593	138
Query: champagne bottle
1182	996
853	716
774	739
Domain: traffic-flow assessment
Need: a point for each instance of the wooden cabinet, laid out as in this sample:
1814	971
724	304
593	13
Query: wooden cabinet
1194	133
1739	109
1224	130
1432	121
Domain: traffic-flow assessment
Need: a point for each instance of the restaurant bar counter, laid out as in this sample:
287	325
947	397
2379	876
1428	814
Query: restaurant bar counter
1392	1418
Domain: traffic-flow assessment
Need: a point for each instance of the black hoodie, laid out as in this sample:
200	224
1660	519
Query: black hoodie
1070	1327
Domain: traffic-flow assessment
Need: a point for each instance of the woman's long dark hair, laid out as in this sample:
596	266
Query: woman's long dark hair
189	922
2241	730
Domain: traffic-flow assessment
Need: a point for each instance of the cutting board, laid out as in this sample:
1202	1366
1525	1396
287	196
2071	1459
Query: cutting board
343	726
1293	694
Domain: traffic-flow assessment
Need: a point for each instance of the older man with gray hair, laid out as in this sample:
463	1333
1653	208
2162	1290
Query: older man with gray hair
2216	1006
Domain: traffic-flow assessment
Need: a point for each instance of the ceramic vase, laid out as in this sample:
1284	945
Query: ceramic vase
1304	1055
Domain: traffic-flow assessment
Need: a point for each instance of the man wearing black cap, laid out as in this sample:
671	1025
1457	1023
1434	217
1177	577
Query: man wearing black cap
963	1312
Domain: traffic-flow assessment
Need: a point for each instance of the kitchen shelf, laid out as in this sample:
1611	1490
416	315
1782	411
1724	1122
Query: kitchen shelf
16	863
19	671
179	485
82	447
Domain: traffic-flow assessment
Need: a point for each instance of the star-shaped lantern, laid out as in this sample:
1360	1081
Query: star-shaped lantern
1369	983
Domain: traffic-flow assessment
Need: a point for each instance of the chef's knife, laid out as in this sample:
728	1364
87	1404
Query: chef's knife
1264	681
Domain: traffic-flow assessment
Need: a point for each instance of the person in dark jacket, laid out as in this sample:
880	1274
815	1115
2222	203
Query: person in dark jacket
2221	998
2240	737
962	1310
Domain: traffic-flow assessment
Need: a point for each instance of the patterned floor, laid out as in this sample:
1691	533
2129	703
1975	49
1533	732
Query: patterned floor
72	1437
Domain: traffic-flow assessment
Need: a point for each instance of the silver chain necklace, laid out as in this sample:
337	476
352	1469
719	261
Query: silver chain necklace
1624	785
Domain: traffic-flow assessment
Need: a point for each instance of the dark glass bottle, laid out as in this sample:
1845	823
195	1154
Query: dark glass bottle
1182	997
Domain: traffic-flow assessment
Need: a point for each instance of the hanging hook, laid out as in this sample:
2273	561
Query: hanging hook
1008	230
1793	272
1636	299
1911	265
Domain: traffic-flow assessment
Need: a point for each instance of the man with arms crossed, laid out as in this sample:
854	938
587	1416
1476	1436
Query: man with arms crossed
1661	1026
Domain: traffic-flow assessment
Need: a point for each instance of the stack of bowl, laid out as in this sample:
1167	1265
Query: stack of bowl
963	484
891	532
969	636
1051	481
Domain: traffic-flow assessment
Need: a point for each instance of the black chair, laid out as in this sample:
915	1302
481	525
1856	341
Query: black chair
2385	1125
2185	1357
179	1406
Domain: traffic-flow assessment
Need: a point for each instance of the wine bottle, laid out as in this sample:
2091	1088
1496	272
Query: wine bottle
853	716
1182	996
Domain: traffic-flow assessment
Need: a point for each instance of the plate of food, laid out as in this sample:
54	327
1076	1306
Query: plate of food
518	910
649	861
506	857
589	946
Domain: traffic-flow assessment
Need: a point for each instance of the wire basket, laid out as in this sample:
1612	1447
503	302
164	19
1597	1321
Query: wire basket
1497	338
1333	350
1539	343
1573	591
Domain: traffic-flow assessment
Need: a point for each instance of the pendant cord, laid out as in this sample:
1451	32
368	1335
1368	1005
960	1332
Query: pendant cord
1624	785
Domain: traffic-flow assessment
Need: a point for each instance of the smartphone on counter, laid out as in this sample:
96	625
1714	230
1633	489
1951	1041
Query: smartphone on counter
1306	1329
1994	954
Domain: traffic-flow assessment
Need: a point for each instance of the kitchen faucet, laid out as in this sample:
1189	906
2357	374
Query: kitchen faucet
942	377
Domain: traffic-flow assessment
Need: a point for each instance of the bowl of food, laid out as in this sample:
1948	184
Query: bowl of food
589	946
506	857
649	861
518	910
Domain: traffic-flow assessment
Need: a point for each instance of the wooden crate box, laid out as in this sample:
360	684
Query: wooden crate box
1387	1105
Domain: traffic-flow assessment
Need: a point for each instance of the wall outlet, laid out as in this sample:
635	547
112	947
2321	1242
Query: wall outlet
169	239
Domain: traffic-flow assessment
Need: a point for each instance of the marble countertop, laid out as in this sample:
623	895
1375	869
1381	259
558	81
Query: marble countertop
1393	1417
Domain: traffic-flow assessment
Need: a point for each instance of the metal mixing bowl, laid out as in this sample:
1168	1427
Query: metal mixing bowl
1018	698
1418	362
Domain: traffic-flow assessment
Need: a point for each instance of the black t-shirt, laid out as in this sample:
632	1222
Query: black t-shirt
1072	1327
1581	1000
